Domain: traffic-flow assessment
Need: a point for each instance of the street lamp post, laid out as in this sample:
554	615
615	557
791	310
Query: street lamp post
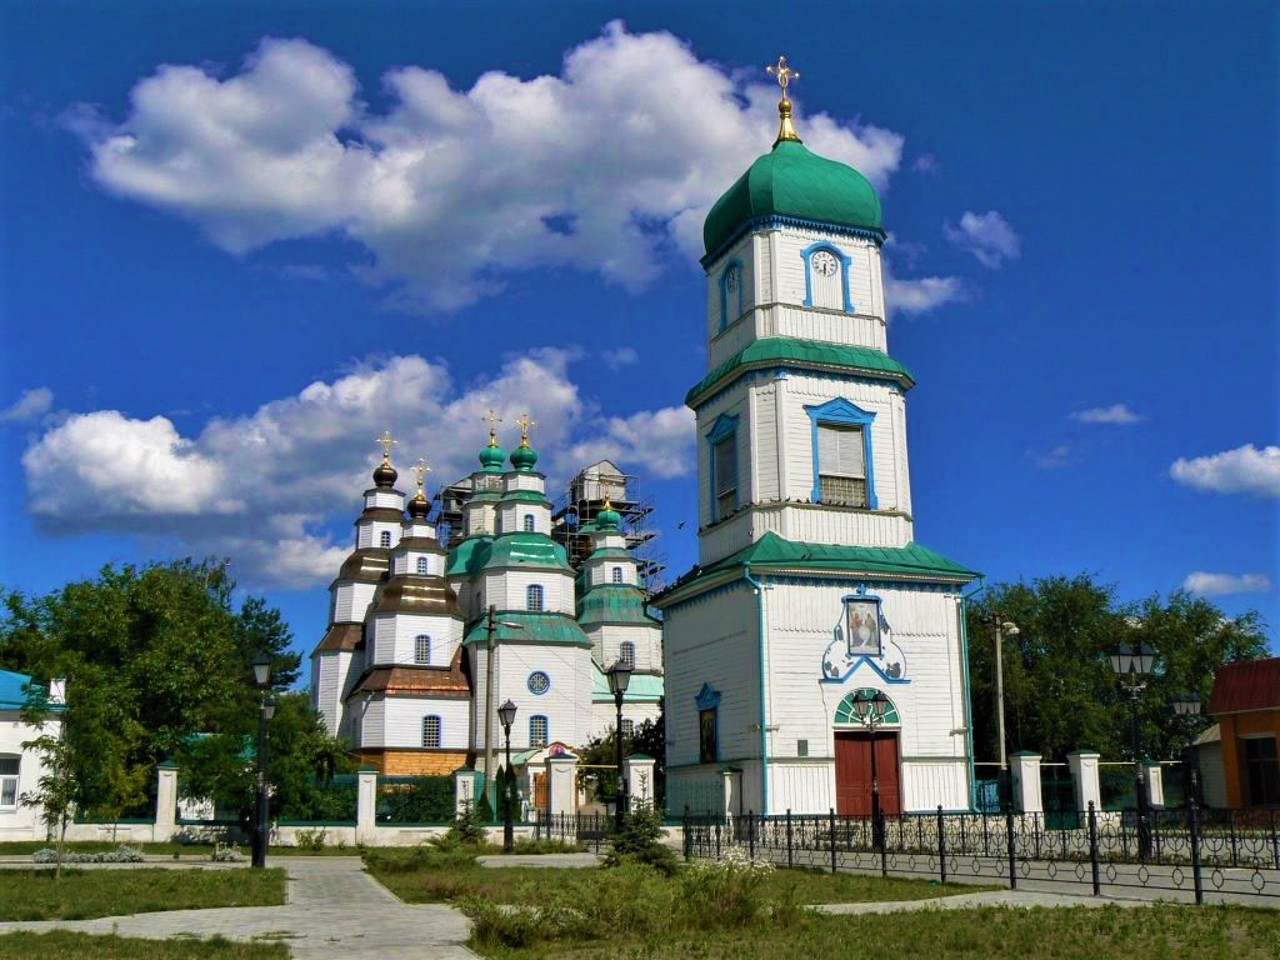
619	677
262	680
1133	665
491	623
507	714
870	712
1003	628
1188	705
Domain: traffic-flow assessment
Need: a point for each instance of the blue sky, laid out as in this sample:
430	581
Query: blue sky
239	240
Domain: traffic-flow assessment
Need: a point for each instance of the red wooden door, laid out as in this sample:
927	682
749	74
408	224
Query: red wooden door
853	773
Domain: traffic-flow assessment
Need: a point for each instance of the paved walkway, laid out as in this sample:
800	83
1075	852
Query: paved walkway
334	909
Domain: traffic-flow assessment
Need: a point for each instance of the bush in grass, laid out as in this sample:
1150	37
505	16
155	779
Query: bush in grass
640	841
728	892
121	854
226	854
528	845
466	831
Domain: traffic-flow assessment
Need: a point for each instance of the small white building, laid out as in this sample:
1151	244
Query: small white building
810	586
20	767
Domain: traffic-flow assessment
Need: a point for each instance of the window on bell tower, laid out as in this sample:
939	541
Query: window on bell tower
842	468
723	452
826	277
731	283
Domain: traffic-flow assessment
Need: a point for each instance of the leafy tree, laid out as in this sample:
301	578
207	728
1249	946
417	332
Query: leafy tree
649	738
1060	691
58	787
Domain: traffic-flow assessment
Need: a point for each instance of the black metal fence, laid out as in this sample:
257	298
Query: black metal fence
590	829
1229	855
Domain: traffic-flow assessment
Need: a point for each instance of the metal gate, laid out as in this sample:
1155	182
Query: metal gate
1058	792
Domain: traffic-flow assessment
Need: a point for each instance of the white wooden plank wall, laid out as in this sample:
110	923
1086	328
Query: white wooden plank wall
351	601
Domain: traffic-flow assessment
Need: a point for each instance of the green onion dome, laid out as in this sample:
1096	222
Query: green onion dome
524	457
792	181
492	457
608	519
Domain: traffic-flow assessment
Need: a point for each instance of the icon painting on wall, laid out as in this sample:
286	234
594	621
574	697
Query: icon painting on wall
862	636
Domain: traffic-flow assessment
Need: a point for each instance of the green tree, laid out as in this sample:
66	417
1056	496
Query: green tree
600	754
1059	689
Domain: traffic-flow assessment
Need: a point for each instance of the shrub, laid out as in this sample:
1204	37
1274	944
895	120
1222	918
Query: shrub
310	839
226	854
640	841
727	892
121	854
466	831
528	845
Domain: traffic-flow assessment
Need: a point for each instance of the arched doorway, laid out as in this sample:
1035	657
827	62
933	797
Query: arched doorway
854	743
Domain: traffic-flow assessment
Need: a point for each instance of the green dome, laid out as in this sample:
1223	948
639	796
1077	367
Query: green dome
492	458
793	181
524	457
608	519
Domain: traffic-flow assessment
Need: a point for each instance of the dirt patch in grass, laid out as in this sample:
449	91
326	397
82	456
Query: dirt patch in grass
85	894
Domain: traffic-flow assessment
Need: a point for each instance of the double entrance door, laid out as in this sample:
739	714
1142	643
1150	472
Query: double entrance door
853	773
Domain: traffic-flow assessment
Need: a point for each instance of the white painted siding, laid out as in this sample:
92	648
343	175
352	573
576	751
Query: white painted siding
351	601
507	590
391	499
369	533
393	638
601	572
569	669
400	722
511	515
604	716
524	480
606	646
407	562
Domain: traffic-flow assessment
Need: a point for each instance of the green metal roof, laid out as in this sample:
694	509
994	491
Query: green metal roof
642	688
527	549
793	181
529	496
544	628
772	550
790	351
614	603
467	557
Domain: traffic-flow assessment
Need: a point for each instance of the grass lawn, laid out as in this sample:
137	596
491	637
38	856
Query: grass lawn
61	945
84	894
19	848
1160	931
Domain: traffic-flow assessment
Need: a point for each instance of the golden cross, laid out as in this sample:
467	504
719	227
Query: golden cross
420	470
387	443
494	420
524	423
607	481
784	73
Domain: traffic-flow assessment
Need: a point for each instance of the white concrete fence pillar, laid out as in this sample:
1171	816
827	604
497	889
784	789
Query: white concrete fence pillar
562	784
166	801
1084	771
1027	797
464	790
366	805
639	773
731	787
1155	783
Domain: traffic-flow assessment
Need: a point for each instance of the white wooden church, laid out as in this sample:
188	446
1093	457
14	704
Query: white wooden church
810	586
417	632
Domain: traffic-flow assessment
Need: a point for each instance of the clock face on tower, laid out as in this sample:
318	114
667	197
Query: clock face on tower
824	263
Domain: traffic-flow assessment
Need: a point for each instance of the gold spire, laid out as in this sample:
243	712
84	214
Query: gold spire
607	482
784	73
524	423
494	420
420	471
386	442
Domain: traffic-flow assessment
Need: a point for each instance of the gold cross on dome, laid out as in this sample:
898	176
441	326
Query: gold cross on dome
784	73
494	420
420	470
608	482
387	443
524	423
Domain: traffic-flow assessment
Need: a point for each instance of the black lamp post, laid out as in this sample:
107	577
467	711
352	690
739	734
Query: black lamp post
1188	705
1133	665
619	676
870	712
262	680
507	714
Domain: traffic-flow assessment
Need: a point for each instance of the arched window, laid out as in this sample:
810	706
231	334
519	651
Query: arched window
422	648
528	523
533	597
617	575
627	654
539	731
422	566
384	539
431	732
730	294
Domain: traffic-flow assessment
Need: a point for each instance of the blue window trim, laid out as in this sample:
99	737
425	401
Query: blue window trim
845	262
546	726
843	412
531	591
529	523
725	427
735	263
427	647
708	698
439	731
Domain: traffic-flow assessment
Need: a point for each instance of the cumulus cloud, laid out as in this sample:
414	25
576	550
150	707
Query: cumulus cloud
988	236
1221	584
922	294
451	190
1052	459
31	405
1242	470
1117	413
265	488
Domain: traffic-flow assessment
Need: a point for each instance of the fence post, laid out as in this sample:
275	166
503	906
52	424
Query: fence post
1093	849
942	847
1275	840
751	834
717	838
1196	879
832	818
790	861
688	838
1009	840
884	851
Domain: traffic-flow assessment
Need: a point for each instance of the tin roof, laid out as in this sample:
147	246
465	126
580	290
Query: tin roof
1246	685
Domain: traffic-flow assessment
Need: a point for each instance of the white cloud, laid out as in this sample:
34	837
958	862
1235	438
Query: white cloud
926	163
1242	470
599	168
988	236
1221	584
619	358
1117	413
1059	456
265	488
32	405
922	294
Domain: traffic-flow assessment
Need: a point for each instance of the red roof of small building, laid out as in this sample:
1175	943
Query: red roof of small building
1247	685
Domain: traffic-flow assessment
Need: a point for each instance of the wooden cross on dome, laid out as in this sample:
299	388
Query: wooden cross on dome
494	420
524	423
784	73
420	470
387	442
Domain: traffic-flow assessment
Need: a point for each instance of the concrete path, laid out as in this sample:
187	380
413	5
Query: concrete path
334	909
